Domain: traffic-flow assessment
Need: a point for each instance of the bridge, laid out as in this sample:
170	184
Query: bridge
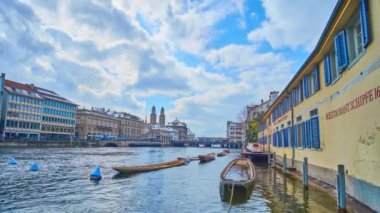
224	144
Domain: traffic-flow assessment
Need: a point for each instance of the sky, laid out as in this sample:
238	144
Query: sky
203	61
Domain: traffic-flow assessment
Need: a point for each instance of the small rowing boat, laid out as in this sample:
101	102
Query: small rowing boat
224	153
239	172
148	168
206	158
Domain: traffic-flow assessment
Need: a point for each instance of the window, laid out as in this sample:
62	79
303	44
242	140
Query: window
299	135
354	37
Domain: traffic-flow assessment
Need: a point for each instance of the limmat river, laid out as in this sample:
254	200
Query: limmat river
63	184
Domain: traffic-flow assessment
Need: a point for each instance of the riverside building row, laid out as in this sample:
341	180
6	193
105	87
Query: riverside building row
34	113
29	112
329	111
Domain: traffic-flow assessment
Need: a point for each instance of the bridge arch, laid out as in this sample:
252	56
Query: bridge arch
110	144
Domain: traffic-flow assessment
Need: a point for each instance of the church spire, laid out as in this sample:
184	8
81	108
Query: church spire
162	117
153	116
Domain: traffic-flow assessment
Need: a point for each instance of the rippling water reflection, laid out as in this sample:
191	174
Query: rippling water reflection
63	185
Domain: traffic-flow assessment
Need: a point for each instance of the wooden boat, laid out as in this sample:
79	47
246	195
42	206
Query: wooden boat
226	150
148	168
239	195
240	172
194	158
221	154
206	158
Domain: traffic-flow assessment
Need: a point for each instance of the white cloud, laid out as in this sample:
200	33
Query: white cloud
294	24
120	54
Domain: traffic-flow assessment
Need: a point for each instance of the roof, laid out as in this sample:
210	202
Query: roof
18	85
322	39
176	122
51	95
20	89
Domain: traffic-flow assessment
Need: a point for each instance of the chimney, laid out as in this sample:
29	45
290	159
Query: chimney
262	101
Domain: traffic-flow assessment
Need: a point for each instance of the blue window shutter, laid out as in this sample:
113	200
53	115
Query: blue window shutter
303	135
286	137
315	140
316	78
296	136
294	94
308	133
304	81
301	92
327	70
293	136
364	22
341	50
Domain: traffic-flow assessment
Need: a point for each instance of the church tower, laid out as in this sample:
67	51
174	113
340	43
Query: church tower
153	116
162	118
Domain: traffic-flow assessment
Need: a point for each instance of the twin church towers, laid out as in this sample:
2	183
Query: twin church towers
153	117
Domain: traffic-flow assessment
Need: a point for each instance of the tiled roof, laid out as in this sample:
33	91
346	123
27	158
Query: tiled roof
18	85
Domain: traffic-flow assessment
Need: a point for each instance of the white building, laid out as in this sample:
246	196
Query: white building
257	110
235	132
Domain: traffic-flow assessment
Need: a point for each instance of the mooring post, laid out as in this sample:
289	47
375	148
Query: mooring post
284	164
341	186
305	173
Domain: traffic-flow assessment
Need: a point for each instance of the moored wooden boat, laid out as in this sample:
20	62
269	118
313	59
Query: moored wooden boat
226	150
194	158
240	172
206	158
221	154
147	168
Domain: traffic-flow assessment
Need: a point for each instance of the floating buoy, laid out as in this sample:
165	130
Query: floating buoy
34	167
12	161
95	175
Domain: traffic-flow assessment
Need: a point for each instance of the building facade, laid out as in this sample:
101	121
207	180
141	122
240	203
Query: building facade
21	111
29	112
235	132
179	126
96	124
329	111
255	112
58	115
131	126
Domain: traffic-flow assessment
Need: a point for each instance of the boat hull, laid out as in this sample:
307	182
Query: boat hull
241	194
206	158
148	168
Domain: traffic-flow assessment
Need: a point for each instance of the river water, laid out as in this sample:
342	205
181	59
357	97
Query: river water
63	185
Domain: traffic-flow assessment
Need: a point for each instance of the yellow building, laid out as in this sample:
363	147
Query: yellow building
329	111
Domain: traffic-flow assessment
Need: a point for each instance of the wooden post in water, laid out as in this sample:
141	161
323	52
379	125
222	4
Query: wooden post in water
341	187
305	173
284	164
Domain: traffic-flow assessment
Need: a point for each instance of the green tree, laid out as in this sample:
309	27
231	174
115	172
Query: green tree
253	130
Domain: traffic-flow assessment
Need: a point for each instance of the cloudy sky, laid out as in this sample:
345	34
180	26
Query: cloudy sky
201	60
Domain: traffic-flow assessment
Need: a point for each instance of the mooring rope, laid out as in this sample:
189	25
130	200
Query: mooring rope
233	187
232	195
